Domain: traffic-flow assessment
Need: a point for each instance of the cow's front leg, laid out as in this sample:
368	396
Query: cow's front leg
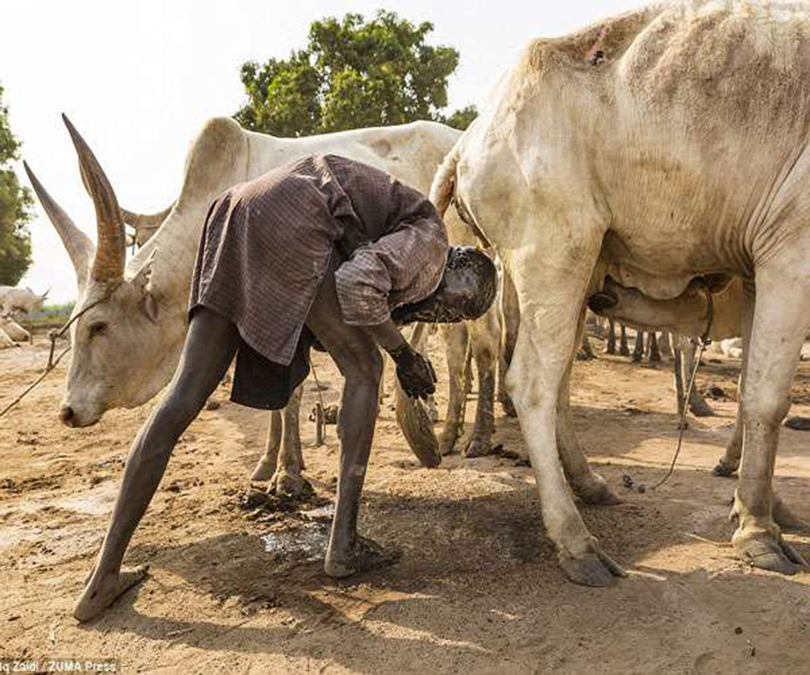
287	480
266	466
550	306
779	328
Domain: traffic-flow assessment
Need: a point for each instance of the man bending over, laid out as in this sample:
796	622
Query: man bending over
325	251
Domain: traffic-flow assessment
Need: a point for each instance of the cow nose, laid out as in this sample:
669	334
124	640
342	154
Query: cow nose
66	414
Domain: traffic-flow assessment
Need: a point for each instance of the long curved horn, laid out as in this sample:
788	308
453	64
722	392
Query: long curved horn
108	264
150	221
78	245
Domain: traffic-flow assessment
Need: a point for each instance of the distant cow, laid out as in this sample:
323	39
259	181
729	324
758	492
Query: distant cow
20	300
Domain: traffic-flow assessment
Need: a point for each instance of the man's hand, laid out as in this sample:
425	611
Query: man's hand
415	372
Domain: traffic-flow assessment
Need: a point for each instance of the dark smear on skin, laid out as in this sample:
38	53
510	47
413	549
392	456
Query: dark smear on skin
480	295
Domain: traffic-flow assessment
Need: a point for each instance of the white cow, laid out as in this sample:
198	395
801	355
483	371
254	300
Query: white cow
20	300
659	146
126	347
14	330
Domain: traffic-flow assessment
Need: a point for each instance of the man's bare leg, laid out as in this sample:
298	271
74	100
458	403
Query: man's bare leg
209	349
360	362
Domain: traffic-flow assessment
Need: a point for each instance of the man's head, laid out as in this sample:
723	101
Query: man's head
467	290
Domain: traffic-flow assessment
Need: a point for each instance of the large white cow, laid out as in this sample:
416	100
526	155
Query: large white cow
655	147
126	347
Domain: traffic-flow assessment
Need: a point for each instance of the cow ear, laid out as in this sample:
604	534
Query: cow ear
143	284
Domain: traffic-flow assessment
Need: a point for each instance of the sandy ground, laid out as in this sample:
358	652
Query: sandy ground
477	588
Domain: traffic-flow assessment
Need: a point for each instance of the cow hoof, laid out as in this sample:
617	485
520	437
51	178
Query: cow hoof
263	472
723	471
477	448
447	444
770	555
289	485
700	408
507	406
97	597
365	555
598	492
595	569
798	423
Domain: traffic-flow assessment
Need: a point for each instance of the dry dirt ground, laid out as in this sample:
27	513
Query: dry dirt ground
477	588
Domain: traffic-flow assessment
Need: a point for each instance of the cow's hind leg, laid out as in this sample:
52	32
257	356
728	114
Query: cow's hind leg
550	311
780	324
456	340
510	324
589	485
484	334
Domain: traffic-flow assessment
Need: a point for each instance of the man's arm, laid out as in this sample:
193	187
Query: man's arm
414	371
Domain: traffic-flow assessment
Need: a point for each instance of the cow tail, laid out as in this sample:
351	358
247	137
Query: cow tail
444	182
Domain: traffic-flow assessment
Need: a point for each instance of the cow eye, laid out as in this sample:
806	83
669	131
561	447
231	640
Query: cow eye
99	328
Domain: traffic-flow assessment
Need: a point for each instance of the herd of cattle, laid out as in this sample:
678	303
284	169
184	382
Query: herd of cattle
651	166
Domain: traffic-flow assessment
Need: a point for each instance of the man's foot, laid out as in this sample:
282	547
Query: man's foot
98	595
366	555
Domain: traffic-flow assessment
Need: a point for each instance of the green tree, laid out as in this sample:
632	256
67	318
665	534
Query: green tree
15	209
353	73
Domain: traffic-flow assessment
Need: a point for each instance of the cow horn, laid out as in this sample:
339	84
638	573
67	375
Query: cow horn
78	245
108	264
148	220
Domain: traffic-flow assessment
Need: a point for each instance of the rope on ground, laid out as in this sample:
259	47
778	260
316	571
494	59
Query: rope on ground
53	336
684	410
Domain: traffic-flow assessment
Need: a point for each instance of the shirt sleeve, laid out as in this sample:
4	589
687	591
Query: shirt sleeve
402	267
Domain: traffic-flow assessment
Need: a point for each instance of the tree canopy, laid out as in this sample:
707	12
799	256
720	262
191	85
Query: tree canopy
15	205
353	73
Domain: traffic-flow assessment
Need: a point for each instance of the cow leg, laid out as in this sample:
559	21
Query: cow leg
697	404
210	345
638	349
665	344
456	339
287	480
550	311
267	462
610	344
589	485
585	352
652	347
780	325
484	339
730	461
624	350
359	360
510	324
